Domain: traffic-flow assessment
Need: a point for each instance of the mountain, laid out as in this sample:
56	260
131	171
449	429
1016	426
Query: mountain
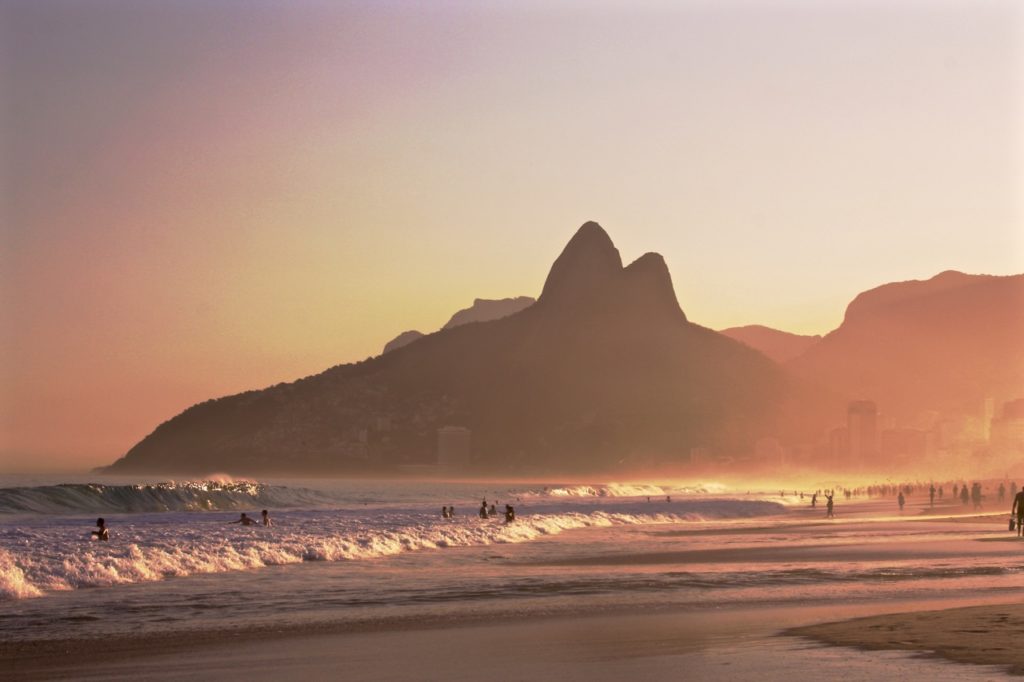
485	310
403	339
778	345
943	344
482	310
602	374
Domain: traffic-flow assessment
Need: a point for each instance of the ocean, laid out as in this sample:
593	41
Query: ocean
379	554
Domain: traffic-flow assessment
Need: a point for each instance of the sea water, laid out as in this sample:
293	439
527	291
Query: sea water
379	552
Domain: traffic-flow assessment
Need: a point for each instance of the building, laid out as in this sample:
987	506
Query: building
862	431
454	447
838	445
1008	429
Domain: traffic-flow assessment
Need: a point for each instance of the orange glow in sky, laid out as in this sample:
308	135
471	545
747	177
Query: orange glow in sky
203	198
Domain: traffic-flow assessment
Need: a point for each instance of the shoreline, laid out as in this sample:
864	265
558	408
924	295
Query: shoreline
979	635
658	634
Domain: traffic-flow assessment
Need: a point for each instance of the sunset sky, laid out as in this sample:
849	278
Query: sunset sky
202	197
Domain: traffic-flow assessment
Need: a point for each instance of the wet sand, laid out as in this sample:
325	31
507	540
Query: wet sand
737	643
992	635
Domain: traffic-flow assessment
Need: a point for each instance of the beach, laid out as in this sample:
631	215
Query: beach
983	634
596	583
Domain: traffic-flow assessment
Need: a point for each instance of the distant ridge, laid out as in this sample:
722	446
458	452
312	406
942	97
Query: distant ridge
485	310
602	374
482	310
945	344
780	346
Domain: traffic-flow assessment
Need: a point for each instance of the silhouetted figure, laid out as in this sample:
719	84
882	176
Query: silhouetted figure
901	500
668	498
1002	493
266	518
976	495
493	510
483	510
829	507
954	490
451	512
941	492
444	512
244	520
101	533
1018	508
931	496
510	514
814	500
965	496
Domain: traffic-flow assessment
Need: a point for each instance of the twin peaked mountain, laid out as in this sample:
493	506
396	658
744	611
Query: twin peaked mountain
602	373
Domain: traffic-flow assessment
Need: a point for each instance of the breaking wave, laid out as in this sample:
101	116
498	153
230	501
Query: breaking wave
160	497
56	556
627	490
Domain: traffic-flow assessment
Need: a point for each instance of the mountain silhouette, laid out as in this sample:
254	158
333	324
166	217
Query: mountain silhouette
603	373
780	346
485	310
403	339
482	310
942	344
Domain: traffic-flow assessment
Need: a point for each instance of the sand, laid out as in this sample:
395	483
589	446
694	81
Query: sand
992	635
736	643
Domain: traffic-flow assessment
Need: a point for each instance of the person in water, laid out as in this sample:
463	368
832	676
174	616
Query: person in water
1018	508
244	520
483	510
102	533
510	514
266	518
829	506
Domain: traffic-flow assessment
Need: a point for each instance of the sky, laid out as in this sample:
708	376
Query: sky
205	197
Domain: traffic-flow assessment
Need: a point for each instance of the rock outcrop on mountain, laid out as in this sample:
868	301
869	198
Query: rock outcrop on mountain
403	339
602	374
943	344
780	346
485	310
482	310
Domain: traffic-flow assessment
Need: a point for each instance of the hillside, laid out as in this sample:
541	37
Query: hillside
603	373
780	346
942	344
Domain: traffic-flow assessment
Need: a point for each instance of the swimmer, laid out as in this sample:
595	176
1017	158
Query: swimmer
266	518
102	533
244	520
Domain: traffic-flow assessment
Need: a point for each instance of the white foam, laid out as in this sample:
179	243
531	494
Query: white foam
56	555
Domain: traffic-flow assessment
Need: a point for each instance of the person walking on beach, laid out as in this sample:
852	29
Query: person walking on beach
1002	493
266	518
976	495
1018	508
829	506
964	495
102	533
244	520
814	500
931	496
901	500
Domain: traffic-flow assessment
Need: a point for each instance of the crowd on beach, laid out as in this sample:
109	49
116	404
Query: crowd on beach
973	496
